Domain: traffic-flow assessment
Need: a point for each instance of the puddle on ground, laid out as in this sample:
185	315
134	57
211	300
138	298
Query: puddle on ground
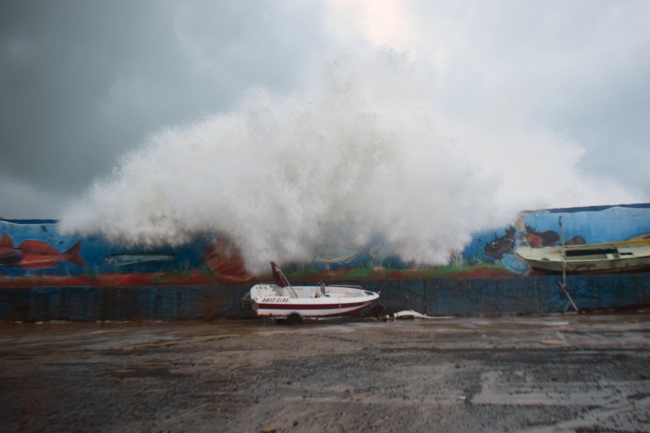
162	372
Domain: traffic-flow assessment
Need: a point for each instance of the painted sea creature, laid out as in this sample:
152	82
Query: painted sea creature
134	258
9	256
535	239
576	240
224	259
548	238
538	239
503	245
32	254
340	254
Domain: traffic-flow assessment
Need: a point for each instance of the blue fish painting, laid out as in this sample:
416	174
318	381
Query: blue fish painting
134	258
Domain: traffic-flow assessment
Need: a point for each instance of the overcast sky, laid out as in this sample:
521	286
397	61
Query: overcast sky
84	82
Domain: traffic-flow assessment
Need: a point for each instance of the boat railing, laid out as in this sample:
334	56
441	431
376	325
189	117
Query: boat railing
344	285
246	300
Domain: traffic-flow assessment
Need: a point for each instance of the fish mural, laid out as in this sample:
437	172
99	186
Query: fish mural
500	246
503	245
223	257
32	254
538	240
337	254
134	258
503	248
9	256
548	238
576	240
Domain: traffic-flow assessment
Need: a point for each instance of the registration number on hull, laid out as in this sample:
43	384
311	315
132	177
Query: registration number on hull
275	300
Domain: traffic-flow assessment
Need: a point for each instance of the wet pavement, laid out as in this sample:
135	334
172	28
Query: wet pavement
565	373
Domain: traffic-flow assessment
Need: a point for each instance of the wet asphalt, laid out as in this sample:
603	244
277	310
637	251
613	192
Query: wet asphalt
564	373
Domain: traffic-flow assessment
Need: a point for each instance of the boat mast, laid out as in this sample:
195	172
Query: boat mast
281	280
563	283
559	220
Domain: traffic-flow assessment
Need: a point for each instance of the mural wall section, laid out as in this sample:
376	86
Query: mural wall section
33	253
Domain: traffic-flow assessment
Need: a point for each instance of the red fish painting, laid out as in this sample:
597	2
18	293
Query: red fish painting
33	254
548	238
538	240
506	244
224	258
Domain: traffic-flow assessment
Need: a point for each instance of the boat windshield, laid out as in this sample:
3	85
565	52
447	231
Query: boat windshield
590	252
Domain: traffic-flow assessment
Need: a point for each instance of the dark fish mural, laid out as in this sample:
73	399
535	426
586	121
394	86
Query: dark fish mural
506	244
576	240
33	254
134	258
224	259
548	238
9	256
336	254
503	245
538	239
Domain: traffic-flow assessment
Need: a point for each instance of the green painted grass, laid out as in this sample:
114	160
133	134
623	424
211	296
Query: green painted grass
309	273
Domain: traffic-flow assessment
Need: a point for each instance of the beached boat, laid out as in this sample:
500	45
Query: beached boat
625	256
284	301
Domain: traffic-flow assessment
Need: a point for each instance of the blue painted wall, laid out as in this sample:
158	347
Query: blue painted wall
95	252
189	262
64	290
439	296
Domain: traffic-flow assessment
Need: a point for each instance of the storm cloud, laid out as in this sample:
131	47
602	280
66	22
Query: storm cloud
84	83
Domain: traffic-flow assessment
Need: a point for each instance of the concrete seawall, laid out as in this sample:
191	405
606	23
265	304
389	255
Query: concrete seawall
467	297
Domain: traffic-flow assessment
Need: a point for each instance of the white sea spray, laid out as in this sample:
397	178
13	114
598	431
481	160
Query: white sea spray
362	152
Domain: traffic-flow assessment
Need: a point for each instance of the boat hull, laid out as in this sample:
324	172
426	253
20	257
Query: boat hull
590	268
310	310
589	259
309	301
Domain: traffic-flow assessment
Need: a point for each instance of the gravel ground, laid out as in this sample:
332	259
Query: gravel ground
570	373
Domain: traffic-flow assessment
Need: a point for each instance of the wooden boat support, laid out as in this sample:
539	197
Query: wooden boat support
563	283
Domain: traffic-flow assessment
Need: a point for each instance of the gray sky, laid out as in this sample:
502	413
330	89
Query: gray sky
84	82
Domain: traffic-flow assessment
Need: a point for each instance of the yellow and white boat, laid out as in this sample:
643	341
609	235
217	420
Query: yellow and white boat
611	257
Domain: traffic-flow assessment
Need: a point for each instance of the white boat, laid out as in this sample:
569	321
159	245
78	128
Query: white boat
284	301
624	256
